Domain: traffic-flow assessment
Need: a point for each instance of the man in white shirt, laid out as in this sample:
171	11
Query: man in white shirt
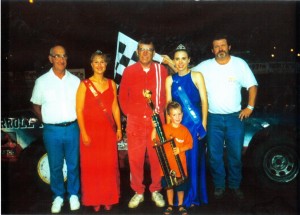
224	76
54	102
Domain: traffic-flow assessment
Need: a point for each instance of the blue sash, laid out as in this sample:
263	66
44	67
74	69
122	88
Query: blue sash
188	107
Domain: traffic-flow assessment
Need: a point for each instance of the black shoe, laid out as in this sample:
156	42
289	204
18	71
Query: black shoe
238	193
219	193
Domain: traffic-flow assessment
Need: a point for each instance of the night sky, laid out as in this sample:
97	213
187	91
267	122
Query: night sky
85	26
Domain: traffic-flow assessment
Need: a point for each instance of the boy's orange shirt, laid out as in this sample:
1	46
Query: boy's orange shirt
182	138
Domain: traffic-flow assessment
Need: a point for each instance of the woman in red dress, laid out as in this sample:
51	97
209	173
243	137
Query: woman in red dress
99	121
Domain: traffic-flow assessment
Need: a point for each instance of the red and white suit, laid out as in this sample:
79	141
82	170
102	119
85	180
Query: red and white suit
139	121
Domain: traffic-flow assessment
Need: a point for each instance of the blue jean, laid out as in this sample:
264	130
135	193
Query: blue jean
63	143
225	129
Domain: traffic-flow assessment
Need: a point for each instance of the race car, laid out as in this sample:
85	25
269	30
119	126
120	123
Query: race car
270	145
21	141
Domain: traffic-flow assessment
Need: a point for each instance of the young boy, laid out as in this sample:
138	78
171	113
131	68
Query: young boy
184	142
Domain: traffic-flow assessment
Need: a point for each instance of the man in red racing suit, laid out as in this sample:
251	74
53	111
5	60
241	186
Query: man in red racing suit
145	74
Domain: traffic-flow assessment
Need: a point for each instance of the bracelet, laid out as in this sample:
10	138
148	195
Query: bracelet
250	107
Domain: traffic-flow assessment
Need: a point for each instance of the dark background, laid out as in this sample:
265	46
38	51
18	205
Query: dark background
28	31
257	29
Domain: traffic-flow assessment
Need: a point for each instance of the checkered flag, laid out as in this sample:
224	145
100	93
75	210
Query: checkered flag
126	56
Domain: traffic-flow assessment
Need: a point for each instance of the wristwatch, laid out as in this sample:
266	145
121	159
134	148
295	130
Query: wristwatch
250	107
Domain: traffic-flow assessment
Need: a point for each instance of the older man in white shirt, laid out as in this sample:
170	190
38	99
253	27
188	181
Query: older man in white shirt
54	102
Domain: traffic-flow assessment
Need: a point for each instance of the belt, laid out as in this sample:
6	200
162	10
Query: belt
63	124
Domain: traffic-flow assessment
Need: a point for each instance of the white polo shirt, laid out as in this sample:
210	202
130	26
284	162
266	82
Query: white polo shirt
56	96
224	83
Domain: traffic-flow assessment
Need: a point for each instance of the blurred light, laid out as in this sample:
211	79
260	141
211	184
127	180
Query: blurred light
292	50
274	47
272	55
31	1
298	55
265	124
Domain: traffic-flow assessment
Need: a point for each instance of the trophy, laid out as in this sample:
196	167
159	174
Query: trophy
170	175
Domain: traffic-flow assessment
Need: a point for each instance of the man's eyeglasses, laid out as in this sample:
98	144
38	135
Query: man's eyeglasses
146	49
58	56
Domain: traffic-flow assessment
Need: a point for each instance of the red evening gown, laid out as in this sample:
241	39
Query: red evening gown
99	161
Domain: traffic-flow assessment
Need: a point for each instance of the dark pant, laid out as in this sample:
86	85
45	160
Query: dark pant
225	129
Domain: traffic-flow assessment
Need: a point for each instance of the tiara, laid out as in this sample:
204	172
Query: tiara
181	47
98	52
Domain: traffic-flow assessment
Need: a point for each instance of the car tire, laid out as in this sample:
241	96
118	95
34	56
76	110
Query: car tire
27	165
276	163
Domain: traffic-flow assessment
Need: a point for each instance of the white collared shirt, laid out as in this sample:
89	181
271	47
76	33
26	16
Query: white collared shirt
224	83
56	96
